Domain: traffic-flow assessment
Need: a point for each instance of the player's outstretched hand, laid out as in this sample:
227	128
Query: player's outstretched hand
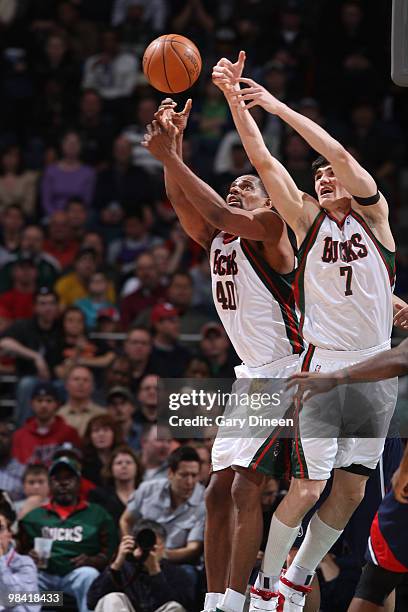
161	143
400	485
310	384
167	114
226	73
401	318
256	95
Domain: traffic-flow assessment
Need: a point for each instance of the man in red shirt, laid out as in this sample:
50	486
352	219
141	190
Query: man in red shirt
38	439
18	301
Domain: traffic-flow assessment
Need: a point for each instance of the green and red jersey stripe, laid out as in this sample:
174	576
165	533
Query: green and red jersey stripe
281	287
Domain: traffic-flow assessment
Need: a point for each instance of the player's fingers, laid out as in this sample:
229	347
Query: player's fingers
187	107
168	102
247	81
241	58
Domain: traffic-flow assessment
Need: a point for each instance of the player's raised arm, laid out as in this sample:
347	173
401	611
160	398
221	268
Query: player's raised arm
356	180
281	188
261	224
193	223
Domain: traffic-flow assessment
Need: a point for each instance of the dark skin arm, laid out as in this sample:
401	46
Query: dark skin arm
192	221
260	225
387	364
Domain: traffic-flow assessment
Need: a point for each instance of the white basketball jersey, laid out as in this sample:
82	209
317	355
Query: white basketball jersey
255	304
344	285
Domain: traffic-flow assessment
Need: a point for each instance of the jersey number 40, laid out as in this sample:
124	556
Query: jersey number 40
226	295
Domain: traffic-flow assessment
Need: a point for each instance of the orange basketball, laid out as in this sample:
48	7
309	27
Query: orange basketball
172	63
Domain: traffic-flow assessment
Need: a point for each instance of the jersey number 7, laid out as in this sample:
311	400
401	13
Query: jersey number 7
347	271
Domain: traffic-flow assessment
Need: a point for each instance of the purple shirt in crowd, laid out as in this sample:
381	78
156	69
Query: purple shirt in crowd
58	186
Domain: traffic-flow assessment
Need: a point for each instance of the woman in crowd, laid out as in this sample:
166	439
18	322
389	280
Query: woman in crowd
122	476
68	177
76	348
100	439
17	186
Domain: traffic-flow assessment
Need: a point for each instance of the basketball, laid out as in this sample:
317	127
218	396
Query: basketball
172	63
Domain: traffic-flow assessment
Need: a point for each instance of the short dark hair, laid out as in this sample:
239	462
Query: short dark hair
35	469
6	508
319	162
158	529
183	453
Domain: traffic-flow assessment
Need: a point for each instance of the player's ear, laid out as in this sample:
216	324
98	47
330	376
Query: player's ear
268	203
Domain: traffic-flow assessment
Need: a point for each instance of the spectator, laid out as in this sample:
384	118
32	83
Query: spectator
156	446
82	33
121	476
177	503
60	243
153	13
11	471
149	293
17	572
202	286
136	240
73	286
57	69
77	213
167	262
17	186
68	177
198	367
180	294
96	130
145	110
40	436
96	300
35	488
101	436
124	184
34	343
169	358
297	160
18	301
32	243
138	347
217	350
111	73
83	535
75	348
68	450
12	223
93	240
79	407
119	374
153	584
147	398
121	407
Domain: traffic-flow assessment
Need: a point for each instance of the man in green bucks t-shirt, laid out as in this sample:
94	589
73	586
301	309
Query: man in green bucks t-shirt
83	534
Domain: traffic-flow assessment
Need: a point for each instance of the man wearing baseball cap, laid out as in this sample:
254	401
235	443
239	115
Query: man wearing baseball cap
121	406
217	349
83	534
169	358
37	440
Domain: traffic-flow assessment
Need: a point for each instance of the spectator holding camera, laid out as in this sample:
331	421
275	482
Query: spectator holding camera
140	577
83	535
177	503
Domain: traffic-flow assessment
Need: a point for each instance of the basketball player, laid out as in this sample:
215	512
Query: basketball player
387	552
344	292
252	263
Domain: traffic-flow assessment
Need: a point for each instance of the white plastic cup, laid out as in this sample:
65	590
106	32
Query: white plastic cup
42	547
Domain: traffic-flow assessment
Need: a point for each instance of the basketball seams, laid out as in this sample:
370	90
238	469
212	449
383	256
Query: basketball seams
146	68
164	65
181	62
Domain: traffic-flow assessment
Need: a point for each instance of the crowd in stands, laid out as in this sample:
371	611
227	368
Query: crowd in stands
101	291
